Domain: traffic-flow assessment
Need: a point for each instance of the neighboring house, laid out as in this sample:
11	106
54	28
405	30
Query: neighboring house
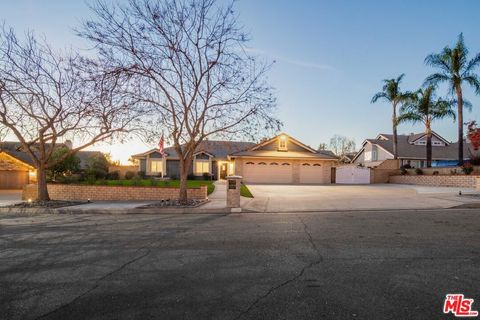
411	150
281	159
347	157
17	168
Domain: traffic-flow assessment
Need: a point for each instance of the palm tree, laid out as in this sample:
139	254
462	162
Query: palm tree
424	107
391	93
455	69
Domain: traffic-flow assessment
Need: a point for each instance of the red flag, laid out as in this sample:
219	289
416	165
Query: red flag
161	146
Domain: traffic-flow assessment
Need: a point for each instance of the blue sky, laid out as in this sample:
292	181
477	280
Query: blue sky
330	56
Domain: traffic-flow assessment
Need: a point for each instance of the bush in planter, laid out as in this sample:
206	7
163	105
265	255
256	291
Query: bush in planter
142	174
129	175
403	171
419	171
435	173
467	168
207	176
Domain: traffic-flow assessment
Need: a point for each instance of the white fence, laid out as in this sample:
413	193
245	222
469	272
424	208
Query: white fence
352	175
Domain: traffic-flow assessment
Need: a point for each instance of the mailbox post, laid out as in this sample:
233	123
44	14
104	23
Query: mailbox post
233	193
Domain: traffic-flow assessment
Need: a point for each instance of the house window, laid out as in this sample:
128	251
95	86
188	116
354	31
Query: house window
282	143
202	166
156	166
374	155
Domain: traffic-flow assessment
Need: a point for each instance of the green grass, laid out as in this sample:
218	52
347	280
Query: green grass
245	192
154	183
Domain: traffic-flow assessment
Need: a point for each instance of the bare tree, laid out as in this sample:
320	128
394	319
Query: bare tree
192	64
340	145
46	97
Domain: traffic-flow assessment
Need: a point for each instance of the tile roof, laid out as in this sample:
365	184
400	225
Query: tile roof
285	154
219	149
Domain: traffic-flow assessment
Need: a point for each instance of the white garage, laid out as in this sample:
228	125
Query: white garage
312	173
267	172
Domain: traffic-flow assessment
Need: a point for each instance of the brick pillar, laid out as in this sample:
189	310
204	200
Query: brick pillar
233	193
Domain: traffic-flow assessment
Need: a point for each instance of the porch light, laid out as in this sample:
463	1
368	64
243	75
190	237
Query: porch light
29	200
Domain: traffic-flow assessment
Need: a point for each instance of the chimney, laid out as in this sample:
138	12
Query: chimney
68	144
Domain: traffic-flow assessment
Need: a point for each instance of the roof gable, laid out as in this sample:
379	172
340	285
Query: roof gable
292	144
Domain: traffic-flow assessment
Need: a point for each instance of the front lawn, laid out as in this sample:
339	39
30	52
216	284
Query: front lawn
245	192
154	183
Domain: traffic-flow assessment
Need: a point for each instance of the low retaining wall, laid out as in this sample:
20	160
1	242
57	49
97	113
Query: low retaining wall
120	193
462	181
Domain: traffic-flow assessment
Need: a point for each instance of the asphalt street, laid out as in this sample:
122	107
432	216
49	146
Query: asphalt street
329	265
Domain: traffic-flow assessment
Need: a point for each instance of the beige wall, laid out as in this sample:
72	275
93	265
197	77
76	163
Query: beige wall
115	193
462	181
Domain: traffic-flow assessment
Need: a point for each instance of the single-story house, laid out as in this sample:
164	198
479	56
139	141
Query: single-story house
411	150
281	159
17	168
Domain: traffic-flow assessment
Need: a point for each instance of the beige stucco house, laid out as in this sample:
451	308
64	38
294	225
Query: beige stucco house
282	159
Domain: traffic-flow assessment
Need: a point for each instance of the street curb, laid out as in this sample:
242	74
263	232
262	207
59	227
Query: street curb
65	210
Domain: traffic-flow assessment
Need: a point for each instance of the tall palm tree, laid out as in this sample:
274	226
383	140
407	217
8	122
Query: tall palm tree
391	93
455	69
424	107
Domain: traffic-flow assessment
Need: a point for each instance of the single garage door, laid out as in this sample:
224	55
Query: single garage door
267	172
312	173
13	179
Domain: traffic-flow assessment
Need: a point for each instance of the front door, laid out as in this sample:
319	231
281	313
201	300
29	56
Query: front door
223	171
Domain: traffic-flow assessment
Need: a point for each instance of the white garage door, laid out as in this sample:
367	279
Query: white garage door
312	173
267	172
352	175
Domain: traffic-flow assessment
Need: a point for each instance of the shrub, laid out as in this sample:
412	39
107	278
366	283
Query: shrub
129	175
419	171
467	168
207	176
142	174
69	165
436	173
114	175
403	171
475	160
97	167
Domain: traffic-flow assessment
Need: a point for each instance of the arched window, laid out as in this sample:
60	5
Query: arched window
262	163
317	165
306	164
285	164
274	164
249	162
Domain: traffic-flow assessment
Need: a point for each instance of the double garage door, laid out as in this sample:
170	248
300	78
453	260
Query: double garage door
13	179
282	172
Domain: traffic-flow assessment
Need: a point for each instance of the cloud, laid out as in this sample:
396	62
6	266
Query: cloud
295	62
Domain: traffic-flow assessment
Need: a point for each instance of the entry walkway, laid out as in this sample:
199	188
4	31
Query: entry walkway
218	198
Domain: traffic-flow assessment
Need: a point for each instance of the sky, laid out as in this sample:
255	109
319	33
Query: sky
330	56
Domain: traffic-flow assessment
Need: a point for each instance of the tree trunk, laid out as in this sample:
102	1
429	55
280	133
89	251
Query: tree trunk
429	146
42	184
458	90
184	169
395	138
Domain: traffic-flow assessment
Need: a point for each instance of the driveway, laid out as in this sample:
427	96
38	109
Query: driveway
295	198
10	196
341	265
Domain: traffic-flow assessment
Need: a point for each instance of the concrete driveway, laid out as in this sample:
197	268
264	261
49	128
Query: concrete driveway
10	197
295	198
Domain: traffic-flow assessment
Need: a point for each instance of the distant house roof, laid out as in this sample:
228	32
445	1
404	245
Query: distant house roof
408	150
217	148
348	157
15	149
